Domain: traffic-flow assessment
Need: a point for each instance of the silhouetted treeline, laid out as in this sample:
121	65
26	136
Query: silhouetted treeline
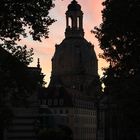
119	37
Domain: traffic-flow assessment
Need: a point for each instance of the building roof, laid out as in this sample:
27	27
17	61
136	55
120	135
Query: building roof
74	56
74	6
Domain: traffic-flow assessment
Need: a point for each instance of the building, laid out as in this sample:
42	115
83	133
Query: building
25	113
74	86
70	101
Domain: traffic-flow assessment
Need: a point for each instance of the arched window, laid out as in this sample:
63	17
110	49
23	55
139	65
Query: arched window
49	102
70	22
78	22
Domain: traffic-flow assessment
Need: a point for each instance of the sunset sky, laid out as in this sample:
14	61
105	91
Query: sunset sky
45	49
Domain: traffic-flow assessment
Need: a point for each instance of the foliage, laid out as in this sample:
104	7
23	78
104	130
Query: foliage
20	19
15	77
119	37
20	52
16	85
16	15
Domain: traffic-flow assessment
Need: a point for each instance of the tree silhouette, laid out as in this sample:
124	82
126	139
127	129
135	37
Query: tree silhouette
23	18
17	84
20	52
19	19
16	15
119	37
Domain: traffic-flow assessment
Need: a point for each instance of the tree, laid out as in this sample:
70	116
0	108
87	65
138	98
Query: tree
20	52
17	84
16	15
19	18
119	38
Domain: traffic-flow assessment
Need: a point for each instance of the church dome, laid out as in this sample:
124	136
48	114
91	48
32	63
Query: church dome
74	64
74	6
74	56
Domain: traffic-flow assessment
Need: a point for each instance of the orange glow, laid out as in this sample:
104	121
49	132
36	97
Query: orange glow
45	49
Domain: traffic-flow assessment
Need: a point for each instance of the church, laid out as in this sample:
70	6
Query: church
70	100
74	87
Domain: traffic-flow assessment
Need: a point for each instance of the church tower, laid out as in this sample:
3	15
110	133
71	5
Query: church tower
74	21
74	64
74	86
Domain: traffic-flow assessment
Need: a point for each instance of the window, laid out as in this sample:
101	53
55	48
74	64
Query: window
67	120
49	102
67	111
40	102
43	102
55	102
61	111
70	22
55	111
61	101
78	22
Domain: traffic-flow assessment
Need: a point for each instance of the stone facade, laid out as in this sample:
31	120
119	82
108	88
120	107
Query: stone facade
80	116
23	124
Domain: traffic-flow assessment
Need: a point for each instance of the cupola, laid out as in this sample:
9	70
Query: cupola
74	6
74	20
